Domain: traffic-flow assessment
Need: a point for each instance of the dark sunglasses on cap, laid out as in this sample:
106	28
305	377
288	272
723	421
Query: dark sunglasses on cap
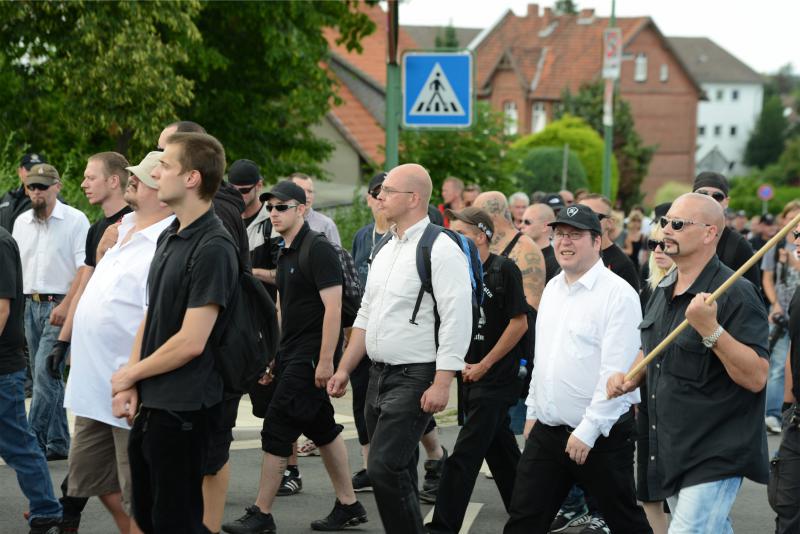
652	244
716	195
280	207
37	187
678	224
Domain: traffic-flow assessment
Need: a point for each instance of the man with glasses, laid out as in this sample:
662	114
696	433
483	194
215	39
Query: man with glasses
536	225
52	240
706	391
310	332
586	329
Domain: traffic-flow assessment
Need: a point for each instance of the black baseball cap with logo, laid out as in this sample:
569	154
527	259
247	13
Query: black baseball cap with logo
285	190
30	159
578	216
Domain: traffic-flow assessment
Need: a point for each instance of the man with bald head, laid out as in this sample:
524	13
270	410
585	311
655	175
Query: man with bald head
613	257
717	368
413	362
535	224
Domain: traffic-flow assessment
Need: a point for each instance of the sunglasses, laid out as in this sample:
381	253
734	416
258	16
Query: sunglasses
527	222
796	234
678	224
652	244
716	195
244	190
280	207
37	187
375	192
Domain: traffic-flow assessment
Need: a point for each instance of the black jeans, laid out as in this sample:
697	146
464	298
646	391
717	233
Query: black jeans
396	422
167	453
545	475
359	379
784	481
486	434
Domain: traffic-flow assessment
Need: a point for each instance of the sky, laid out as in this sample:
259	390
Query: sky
763	34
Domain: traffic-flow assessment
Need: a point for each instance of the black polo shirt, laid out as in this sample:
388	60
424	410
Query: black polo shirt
302	310
172	288
794	353
703	426
12	338
734	250
96	231
551	266
620	264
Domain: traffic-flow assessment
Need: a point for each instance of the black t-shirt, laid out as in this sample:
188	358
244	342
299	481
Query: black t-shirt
503	299
620	264
96	232
265	255
302	310
12	337
551	266
734	250
173	286
794	334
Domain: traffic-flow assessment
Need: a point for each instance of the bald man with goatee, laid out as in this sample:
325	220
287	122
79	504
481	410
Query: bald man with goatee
706	391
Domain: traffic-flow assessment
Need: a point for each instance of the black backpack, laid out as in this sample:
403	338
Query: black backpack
246	337
351	287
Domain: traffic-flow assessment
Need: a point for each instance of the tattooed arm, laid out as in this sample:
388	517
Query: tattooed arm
530	261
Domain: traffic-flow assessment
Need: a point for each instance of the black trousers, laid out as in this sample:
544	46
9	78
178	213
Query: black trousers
396	423
167	454
486	434
784	478
545	475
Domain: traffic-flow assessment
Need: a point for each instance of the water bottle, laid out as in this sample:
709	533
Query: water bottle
523	369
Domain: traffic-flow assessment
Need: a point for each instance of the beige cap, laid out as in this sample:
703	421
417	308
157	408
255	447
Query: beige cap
142	170
43	173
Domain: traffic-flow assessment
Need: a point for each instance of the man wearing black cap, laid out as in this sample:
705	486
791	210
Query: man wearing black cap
15	201
491	381
586	327
310	331
555	202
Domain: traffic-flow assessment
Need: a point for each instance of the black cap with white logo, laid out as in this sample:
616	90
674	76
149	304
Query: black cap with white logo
578	216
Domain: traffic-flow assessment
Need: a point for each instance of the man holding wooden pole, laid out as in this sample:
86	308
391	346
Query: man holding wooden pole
706	390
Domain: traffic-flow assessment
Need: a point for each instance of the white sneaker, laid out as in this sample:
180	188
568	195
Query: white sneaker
773	424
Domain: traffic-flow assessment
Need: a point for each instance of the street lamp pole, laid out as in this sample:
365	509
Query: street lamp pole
608	119
393	95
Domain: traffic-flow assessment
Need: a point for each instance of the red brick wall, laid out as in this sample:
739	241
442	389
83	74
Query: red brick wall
505	87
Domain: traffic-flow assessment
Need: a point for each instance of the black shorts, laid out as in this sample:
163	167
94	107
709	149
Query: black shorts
221	420
297	407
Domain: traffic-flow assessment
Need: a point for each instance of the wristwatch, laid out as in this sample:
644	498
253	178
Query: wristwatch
710	341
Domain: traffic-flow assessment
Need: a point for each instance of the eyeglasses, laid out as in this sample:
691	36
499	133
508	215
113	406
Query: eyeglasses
37	187
678	224
716	195
652	244
244	190
390	190
573	236
280	207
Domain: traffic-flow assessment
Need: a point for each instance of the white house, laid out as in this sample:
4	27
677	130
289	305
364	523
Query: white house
733	98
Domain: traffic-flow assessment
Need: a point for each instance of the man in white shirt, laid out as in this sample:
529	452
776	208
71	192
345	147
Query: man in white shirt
319	222
51	238
410	375
586	331
106	319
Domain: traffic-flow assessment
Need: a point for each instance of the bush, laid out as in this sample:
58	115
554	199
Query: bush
541	169
350	218
670	191
744	195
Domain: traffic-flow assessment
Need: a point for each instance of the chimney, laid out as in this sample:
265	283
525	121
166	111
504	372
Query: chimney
548	16
586	16
533	11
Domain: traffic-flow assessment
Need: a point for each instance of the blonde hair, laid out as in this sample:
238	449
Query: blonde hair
656	273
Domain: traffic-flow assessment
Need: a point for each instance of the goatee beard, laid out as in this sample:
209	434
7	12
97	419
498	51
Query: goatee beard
40	211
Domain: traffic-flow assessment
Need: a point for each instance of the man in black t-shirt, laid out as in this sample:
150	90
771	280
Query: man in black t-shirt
613	257
535	223
171	372
490	381
18	446
310	299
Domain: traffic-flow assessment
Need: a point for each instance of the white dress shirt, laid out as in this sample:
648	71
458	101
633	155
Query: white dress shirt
106	320
51	251
391	292
585	332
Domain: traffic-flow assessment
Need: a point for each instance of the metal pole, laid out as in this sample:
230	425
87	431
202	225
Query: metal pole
565	167
608	120
393	94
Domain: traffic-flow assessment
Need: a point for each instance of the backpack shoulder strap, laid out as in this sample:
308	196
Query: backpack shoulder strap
424	247
511	245
304	253
378	246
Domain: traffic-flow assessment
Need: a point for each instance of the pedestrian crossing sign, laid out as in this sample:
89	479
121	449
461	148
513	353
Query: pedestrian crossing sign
437	89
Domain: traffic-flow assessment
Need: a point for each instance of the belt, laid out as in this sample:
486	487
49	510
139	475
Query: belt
381	365
45	297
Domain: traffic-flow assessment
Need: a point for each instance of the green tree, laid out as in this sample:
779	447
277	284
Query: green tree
446	38
766	143
789	162
541	170
633	157
566	7
473	155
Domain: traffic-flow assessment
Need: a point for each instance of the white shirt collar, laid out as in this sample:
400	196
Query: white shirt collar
589	277
413	232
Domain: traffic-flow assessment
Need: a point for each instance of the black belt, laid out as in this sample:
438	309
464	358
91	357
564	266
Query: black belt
381	365
45	297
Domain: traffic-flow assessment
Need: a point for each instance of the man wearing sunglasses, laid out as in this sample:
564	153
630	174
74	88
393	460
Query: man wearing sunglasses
52	240
706	391
536	225
16	201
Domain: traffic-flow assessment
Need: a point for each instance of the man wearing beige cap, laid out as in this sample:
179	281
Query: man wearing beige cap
52	239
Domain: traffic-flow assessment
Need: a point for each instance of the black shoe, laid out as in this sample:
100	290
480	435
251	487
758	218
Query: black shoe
433	474
428	496
361	481
291	484
254	521
69	525
596	525
55	456
45	525
341	517
570	518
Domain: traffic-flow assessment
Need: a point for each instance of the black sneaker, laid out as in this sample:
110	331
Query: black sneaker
69	525
45	525
291	484
570	518
433	474
596	525
254	521
361	481
341	517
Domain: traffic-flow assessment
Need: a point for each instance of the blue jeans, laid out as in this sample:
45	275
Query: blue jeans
704	507
48	418
19	449
517	414
777	368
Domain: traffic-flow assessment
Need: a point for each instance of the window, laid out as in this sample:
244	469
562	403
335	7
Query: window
735	94
664	75
720	94
510	111
538	117
733	131
640	68
701	131
717	130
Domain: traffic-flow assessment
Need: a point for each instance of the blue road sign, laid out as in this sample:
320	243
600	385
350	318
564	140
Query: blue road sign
437	90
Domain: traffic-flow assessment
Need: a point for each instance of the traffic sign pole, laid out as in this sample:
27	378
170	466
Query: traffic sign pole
608	119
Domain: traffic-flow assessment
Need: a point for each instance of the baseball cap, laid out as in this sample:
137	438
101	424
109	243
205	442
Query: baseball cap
42	173
578	216
376	181
145	167
30	159
661	210
554	200
767	218
711	179
285	190
244	172
475	217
